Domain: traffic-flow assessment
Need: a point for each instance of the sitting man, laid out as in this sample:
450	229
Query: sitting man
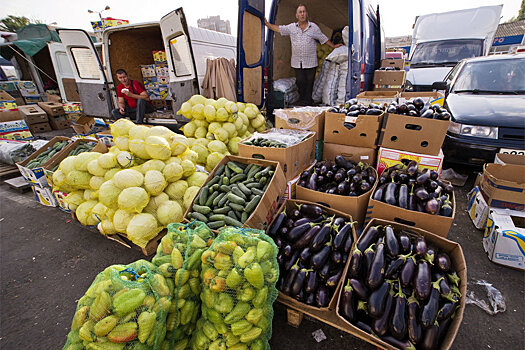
132	99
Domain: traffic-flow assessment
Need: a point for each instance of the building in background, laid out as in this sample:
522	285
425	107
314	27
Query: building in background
215	23
508	36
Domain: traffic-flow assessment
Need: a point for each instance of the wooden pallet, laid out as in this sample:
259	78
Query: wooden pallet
149	249
18	183
8	171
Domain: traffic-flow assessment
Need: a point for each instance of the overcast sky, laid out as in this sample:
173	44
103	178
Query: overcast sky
397	16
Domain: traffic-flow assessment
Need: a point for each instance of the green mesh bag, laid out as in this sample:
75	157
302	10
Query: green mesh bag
239	273
179	260
124	308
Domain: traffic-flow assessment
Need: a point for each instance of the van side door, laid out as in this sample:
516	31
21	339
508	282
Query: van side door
179	53
250	52
92	83
64	72
355	47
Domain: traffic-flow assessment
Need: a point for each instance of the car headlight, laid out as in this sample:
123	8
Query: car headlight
488	132
408	86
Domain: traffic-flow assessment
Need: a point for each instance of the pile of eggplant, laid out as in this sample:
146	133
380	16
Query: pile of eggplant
352	108
341	177
411	188
400	289
389	68
418	108
313	251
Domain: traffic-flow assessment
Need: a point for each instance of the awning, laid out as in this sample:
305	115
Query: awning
31	39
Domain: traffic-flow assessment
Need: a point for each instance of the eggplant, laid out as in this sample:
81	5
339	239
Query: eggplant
312	181
351	172
428	114
320	258
339	175
421	193
277	224
376	271
344	258
446	208
332	281
394	266
443	262
323	170
432	206
323	273
290	277
322	297
420	207
392	245
422	179
369	257
283	232
302	221
355	263
337	257
403	178
312	282
363	326
311	210
403	196
431	308
443	327
341	162
347	247
281	259
430	338
292	260
401	344
298	282
365	186
346	306
342	234
430	256
422	284
390	193
278	242
453	279
444	288
305	255
415	333
305	240
310	299
296	232
301	296
359	288
287	250
407	272
412	168
420	248
377	300
446	311
296	214
321	237
398	324
404	243
368	237
289	223
380	325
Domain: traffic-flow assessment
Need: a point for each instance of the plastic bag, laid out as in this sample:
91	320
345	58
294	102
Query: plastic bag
13	152
239	273
125	307
284	85
301	118
179	259
285	136
496	299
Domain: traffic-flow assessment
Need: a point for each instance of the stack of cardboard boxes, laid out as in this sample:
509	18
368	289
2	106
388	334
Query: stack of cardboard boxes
12	124
36	118
73	111
56	114
156	79
390	80
29	92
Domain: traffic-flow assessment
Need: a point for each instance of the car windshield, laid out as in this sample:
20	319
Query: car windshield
498	76
447	52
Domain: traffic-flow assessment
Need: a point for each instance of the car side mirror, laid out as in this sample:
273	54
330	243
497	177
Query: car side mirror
440	85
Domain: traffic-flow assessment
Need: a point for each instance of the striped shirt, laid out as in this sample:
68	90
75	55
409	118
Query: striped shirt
304	50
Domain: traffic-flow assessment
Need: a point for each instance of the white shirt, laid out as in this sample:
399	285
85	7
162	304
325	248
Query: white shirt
304	49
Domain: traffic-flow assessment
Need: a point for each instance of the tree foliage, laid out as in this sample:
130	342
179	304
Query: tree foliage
12	23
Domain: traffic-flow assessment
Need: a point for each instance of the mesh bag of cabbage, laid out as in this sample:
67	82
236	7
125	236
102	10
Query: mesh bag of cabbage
125	307
179	260
239	273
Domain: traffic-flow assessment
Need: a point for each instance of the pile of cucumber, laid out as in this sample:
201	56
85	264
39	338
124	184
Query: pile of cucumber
46	155
82	147
232	195
264	142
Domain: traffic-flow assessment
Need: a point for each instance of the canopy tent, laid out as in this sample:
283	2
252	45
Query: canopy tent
31	39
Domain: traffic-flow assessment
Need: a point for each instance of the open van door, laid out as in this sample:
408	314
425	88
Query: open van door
64	73
181	63
250	52
88	71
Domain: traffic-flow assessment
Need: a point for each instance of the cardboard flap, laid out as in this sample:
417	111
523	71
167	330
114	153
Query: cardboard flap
508	175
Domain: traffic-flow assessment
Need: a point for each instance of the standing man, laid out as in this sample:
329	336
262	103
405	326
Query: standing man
133	100
303	35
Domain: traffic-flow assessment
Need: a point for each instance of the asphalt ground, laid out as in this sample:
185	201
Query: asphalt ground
48	261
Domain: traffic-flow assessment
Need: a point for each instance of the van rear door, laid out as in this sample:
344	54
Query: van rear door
64	73
88	71
181	63
250	52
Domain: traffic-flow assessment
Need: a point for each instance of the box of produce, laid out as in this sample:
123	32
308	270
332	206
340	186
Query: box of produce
84	125
393	63
415	126
377	97
432	97
289	192
387	157
356	154
342	184
314	243
354	124
389	80
32	168
416	197
302	118
242	192
293	149
404	288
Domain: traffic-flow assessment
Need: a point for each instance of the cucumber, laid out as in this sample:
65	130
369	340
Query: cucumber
234	215
198	216
225	181
211	199
215	187
244	217
235	199
216	224
225	188
257	191
232	222
219	171
217	217
227	172
224	210
252	204
201	209
223	201
237	178
217	198
237	207
248	168
254	185
213	181
236	191
234	167
244	189
203	195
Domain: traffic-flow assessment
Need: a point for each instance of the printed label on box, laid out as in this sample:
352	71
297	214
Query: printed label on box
15	130
8	106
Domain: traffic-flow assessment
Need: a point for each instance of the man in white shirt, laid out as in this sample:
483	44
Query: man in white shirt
303	36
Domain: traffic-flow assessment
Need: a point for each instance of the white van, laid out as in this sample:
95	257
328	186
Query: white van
130	46
440	40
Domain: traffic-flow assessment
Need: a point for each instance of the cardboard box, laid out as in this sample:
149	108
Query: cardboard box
148	70
39	127
159	57
389	80
10	87
105	137
44	196
161	70
8	108
59	122
36	176
293	159
289	192
263	214
433	97
33	114
356	154
52	108
477	208
53	98
457	258
289	205
27	88
506	158
437	224
32	100
84	125
399	63
355	206
379	97
504	239
364	134
387	157
419	135
60	199
503	186
296	119
15	130
72	107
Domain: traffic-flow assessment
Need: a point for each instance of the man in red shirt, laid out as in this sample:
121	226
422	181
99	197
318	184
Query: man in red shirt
133	100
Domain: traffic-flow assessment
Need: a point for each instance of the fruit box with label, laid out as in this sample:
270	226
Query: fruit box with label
44	196
379	97
389	80
413	134
364	130
15	130
33	114
387	157
9	110
291	186
477	208
27	88
503	186
148	70
311	119
504	239
433	97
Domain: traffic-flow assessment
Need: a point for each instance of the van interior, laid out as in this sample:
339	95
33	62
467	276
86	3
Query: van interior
328	15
